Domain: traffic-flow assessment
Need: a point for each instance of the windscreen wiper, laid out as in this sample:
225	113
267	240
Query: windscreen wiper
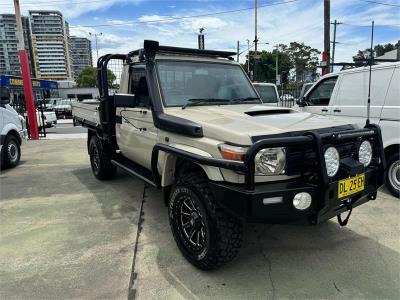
245	99
199	101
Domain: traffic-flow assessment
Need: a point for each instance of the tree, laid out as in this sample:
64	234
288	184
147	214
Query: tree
266	65
378	50
299	57
88	78
304	59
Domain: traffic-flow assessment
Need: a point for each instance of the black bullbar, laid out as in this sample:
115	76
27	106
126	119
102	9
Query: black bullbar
243	199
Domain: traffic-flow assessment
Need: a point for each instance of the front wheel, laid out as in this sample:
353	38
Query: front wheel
12	151
207	236
393	174
100	160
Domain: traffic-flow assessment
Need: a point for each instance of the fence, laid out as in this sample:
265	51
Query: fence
18	104
288	95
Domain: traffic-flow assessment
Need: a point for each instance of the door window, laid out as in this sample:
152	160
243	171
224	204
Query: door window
321	95
138	87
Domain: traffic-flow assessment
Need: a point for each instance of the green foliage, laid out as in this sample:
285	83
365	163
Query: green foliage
88	78
299	57
379	50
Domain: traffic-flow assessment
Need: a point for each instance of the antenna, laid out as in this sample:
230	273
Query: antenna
371	59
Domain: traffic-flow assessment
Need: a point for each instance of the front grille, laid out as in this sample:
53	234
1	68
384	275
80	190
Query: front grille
300	160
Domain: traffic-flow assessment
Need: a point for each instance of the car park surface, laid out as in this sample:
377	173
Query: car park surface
63	234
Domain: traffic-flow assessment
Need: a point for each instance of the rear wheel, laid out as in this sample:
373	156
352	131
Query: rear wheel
206	235
393	174
100	160
12	151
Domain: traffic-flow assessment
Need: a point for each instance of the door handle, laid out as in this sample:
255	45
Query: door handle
337	110
324	110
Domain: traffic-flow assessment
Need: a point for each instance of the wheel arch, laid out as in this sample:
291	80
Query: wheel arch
391	149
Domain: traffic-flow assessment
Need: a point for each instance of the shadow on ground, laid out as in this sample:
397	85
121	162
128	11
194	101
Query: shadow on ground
325	261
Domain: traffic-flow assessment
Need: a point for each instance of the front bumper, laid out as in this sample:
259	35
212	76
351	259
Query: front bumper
249	204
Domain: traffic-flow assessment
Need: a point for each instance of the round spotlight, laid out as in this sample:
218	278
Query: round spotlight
332	161
365	153
302	201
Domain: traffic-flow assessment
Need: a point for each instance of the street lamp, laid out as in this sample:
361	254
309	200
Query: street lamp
95	38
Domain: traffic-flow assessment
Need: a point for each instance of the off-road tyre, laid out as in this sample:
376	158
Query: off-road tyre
100	160
392	174
12	152
223	232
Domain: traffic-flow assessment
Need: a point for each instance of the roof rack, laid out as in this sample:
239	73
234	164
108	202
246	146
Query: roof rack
152	47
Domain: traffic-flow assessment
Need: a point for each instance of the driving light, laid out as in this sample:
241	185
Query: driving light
232	152
365	153
302	201
270	161
332	161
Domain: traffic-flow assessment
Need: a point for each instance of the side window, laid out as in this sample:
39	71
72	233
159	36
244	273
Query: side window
321	95
138	87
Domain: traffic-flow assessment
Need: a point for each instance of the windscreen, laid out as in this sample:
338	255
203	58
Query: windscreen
267	93
182	82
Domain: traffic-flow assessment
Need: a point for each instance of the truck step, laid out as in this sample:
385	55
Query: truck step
134	169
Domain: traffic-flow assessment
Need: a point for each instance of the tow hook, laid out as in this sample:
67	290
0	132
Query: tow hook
346	220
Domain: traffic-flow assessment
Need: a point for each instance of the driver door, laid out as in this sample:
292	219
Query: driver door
136	134
319	99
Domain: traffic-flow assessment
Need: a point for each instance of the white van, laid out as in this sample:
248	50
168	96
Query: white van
12	133
345	95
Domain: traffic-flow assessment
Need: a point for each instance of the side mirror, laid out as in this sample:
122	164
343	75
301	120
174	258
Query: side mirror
301	101
124	100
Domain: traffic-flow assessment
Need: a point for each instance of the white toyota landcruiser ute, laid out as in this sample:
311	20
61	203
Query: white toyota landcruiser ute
190	122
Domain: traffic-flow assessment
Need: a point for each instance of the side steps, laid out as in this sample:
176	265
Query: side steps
134	169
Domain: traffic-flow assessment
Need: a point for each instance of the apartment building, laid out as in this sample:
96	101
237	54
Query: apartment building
81	54
50	45
9	57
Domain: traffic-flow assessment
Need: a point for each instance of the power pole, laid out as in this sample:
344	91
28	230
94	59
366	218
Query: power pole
95	39
335	23
26	76
255	39
327	41
237	50
276	66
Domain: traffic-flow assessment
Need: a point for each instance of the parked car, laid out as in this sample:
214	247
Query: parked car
268	93
190	122
305	88
50	103
64	107
344	96
12	133
48	120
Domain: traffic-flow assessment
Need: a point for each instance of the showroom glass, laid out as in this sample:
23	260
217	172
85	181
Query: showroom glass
267	93
321	95
181	81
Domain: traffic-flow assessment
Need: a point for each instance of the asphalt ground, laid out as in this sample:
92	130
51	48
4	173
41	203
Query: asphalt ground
65	235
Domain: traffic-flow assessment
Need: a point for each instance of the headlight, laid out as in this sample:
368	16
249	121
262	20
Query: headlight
270	161
365	153
332	161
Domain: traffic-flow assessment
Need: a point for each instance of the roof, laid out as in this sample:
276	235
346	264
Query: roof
394	54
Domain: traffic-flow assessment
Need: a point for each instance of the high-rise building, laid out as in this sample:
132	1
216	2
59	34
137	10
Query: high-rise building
49	34
81	54
9	57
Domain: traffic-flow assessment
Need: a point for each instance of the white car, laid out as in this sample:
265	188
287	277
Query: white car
268	93
49	118
12	133
344	95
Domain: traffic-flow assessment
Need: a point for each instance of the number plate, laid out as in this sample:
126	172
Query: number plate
350	186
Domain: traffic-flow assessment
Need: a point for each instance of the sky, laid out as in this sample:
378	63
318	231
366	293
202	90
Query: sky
125	24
